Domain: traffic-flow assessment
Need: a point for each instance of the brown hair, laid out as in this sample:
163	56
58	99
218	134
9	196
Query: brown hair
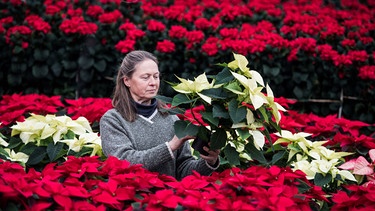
122	99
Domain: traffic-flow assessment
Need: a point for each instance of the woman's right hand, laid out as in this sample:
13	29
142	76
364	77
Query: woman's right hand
176	142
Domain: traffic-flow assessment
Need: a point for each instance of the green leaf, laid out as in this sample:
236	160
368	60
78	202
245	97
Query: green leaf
69	64
184	128
264	113
40	71
14	142
100	65
298	92
181	99
69	135
234	87
271	71
224	76
14	79
85	62
86	75
237	114
232	155
217	93
17	49
167	100
209	117
277	156
37	156
53	150
28	148
322	180
255	153
173	111
3	152
218	139
219	111
244	133
41	54
302	186
56	69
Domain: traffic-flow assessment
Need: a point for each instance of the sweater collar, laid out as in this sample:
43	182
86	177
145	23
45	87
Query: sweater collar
146	110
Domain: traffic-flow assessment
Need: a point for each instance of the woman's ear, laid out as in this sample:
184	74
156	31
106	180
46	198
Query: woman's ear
126	81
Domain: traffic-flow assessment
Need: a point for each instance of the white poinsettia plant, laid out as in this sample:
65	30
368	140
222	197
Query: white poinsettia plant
239	109
42	139
319	163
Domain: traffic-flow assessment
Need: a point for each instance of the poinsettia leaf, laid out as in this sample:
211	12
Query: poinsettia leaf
264	114
181	99
372	154
53	150
219	111
224	76
86	62
100	65
321	180
28	148
255	153
14	142
173	111
302	186
37	156
277	157
232	155
235	88
244	133
217	93
362	167
209	117
183	128
275	126
165	99
218	139
237	114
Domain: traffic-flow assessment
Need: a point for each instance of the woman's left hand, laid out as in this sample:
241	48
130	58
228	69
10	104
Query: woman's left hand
212	157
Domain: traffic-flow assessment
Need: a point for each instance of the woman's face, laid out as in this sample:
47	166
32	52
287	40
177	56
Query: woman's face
144	83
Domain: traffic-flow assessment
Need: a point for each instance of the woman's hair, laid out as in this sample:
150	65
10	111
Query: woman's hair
122	99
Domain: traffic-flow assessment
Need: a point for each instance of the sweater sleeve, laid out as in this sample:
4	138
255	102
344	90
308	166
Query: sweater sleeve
116	142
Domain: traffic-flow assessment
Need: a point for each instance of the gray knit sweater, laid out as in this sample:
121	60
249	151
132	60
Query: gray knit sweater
144	141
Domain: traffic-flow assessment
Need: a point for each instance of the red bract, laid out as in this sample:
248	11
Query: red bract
15	107
38	23
155	26
125	46
16	31
202	24
74	12
356	198
211	46
165	46
77	25
90	108
110	17
367	72
194	37
163	199
94	11
106	193
177	32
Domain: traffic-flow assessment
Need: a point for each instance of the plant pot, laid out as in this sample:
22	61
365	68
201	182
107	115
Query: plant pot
198	145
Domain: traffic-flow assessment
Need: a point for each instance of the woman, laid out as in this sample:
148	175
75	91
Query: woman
137	131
